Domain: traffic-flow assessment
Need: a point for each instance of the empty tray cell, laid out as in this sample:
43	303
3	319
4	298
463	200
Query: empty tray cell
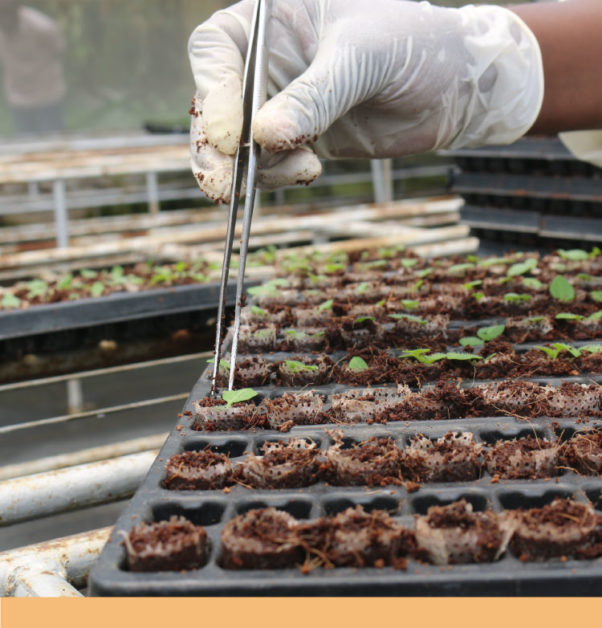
477	499
335	505
296	507
533	497
231	447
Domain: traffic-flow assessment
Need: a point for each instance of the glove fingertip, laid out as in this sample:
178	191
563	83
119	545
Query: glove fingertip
222	115
276	128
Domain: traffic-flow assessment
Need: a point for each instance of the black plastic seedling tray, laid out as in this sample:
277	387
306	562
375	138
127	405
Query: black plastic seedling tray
213	508
113	308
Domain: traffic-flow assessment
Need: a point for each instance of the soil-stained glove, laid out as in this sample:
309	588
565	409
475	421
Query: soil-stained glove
361	78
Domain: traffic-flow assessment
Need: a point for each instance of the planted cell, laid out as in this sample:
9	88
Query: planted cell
455	534
261	539
375	462
292	464
171	545
303	372
562	528
198	470
523	458
251	340
583	453
454	457
530	328
371	367
233	412
304	340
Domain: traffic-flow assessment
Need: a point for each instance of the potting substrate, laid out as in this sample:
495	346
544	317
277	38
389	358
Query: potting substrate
399	426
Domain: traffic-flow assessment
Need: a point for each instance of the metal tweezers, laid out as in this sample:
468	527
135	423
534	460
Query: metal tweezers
254	90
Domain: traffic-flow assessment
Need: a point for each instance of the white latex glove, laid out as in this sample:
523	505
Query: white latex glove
361	78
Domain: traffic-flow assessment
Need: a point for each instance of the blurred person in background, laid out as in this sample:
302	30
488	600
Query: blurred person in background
31	48
388	78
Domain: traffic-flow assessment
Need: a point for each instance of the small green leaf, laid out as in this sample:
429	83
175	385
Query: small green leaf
409	317
486	334
88	274
65	282
462	356
496	261
471	341
37	288
532	284
333	268
357	364
533	319
421	274
559	268
298	367
567	316
223	364
522	268
512	297
595	252
258	311
561	346
181	267
379	263
585	277
266	290
574	255
596	316
504	280
361	288
592	348
363	319
596	295
381	303
97	289
478	296
408	263
117	272
237	396
327	305
458	269
9	301
410	304
561	289
551	353
472	284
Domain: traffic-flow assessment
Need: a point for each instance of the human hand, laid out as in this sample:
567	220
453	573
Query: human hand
361	79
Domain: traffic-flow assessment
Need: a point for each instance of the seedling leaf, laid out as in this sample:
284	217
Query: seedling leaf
596	295
237	396
522	268
561	289
486	334
258	311
471	341
357	364
532	284
567	316
298	367
409	317
327	305
574	255
9	300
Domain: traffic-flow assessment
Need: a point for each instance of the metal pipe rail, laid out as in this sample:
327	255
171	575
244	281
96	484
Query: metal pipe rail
53	569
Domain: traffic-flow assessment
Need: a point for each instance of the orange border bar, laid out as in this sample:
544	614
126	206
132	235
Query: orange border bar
300	612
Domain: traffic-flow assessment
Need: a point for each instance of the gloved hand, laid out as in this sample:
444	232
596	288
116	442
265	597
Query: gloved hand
361	78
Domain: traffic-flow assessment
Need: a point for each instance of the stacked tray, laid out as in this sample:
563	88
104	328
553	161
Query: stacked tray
568	411
533	193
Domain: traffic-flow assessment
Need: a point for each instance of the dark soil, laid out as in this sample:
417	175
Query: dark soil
171	545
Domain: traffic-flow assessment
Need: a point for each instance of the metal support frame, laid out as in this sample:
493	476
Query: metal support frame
152	191
85	485
52	569
61	217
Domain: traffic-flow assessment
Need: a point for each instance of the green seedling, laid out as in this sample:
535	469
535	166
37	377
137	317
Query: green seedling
363	319
65	283
410	304
561	289
10	301
522	268
333	268
223	364
299	367
513	297
237	396
461	356
557	348
496	261
36	288
97	289
409	317
592	348
471	285
471	341
258	311
422	274
478	296
262	334
487	334
596	295
567	316
460	269
532	284
88	274
362	288
532	320
574	255
327	305
596	316
585	277
357	364
408	262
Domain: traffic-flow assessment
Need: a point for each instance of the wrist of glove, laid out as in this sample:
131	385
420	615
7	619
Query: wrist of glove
351	78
